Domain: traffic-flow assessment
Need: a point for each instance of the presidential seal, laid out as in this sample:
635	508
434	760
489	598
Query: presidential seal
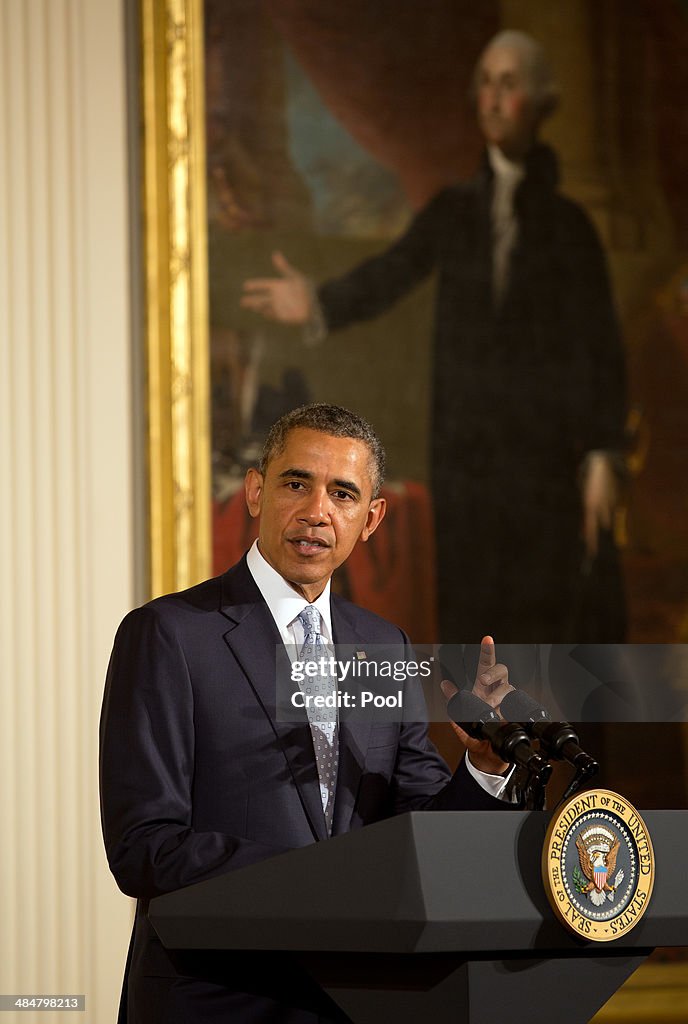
598	866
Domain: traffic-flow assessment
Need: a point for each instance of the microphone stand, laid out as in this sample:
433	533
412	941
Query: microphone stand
535	794
581	776
527	789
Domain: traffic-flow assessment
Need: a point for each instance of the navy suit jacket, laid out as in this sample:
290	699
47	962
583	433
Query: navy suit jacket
198	777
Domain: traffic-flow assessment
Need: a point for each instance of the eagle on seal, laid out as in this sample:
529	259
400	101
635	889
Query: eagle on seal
597	864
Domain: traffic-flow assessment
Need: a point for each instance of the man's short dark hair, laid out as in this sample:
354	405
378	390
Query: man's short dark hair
328	419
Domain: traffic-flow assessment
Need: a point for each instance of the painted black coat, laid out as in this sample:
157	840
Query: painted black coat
521	392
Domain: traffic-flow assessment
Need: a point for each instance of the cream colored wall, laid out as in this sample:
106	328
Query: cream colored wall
66	494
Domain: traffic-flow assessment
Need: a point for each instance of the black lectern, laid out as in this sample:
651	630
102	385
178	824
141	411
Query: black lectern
432	917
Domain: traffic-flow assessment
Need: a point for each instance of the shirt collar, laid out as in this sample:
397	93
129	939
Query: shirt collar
512	171
283	601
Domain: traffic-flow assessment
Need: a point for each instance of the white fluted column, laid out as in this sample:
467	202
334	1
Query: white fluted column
66	520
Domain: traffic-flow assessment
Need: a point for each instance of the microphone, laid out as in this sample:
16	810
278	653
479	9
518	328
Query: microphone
559	740
519	706
509	740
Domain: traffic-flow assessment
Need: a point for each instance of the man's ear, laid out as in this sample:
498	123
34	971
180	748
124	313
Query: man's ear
376	513
253	486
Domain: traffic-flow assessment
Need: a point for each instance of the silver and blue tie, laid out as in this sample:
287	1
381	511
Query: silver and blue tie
323	721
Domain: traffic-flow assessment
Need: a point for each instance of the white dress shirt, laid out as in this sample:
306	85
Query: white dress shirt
284	603
508	175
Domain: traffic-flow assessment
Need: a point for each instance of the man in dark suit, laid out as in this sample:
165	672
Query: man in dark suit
198	773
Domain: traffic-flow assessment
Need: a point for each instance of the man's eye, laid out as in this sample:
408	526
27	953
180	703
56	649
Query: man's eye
295	485
343	495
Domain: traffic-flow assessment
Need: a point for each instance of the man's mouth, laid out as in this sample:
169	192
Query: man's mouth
309	545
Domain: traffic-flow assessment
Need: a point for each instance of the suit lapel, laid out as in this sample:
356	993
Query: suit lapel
255	643
354	734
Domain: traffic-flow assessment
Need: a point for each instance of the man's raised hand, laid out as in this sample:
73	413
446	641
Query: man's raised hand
492	679
480	752
286	299
491	685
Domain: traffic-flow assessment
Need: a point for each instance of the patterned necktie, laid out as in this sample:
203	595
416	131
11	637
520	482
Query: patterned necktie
323	721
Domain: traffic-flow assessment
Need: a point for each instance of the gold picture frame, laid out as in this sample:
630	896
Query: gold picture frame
176	264
176	313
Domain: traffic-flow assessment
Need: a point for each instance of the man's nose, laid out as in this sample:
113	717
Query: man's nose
491	97
315	508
